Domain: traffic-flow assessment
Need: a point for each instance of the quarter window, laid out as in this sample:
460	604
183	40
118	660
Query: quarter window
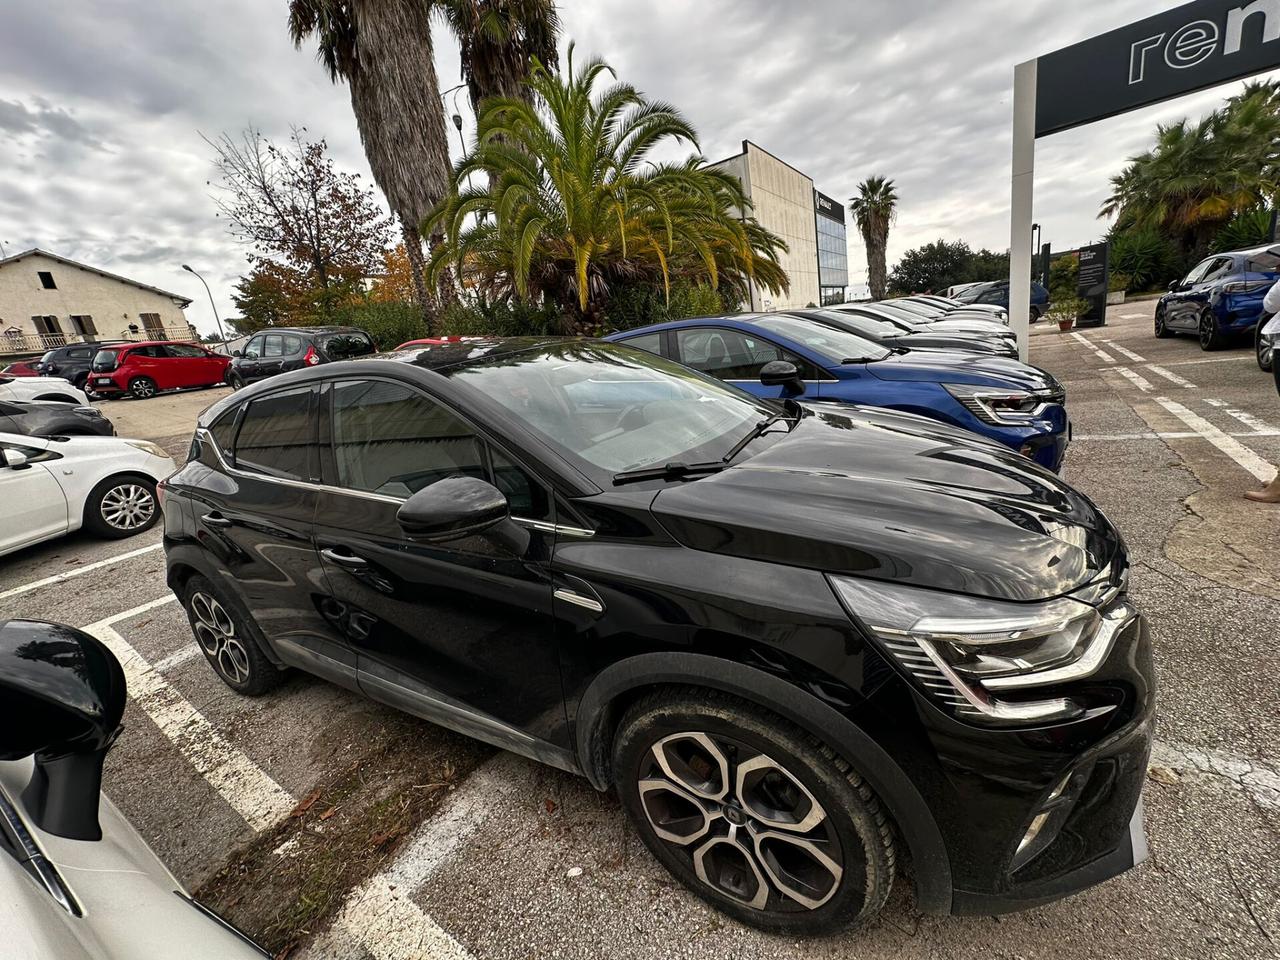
276	436
391	440
292	345
647	341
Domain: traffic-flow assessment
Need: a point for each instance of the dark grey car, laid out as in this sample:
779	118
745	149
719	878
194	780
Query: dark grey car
49	418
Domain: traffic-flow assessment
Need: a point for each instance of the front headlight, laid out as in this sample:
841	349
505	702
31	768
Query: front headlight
966	650
998	407
146	446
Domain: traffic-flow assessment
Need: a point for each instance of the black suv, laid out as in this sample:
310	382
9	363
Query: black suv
793	639
280	349
72	362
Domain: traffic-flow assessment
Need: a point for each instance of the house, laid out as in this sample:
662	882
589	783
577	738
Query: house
47	300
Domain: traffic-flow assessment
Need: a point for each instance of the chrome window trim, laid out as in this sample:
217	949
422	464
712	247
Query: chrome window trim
40	867
766	398
543	526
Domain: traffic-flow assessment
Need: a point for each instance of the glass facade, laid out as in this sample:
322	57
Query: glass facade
833	249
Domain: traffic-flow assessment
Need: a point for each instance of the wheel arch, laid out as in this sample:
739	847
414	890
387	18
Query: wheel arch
618	686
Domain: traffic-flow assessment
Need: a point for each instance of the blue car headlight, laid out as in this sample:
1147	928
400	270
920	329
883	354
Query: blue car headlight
1003	408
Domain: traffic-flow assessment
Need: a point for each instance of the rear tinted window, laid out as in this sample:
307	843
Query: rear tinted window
342	346
1268	262
275	436
106	359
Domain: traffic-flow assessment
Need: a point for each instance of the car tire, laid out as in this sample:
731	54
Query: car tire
122	506
1162	329
1211	338
142	388
1036	314
235	381
675	750
229	639
1261	350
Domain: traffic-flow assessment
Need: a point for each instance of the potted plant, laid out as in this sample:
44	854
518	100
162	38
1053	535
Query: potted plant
1065	311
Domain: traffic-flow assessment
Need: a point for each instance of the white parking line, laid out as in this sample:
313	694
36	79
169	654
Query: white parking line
78	571
380	914
246	788
176	659
1170	376
1215	403
1233	448
1087	437
1102	354
1260	428
1124	351
1191	363
1139	381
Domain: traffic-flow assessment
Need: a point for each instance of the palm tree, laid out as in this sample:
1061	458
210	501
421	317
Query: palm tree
383	50
572	204
1199	176
874	209
498	41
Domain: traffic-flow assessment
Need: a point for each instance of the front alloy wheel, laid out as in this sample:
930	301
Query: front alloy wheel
128	508
753	815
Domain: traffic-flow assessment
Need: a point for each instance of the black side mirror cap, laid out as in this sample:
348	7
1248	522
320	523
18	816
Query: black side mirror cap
237	353
453	508
781	373
62	696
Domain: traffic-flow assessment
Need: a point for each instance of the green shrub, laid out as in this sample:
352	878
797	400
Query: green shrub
390	324
1119	283
515	319
638	305
1146	256
1252	229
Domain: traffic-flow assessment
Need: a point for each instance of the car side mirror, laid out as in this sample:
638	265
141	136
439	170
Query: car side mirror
237	353
453	508
62	695
782	373
16	460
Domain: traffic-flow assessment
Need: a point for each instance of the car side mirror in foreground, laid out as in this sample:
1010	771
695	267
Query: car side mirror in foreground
782	373
62	695
453	508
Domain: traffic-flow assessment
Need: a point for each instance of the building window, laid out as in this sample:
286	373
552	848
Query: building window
46	280
46	326
151	322
84	325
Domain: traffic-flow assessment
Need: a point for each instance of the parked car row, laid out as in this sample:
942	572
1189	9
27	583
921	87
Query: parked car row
802	587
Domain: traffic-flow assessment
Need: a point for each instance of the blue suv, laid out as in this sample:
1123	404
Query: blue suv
780	356
1221	299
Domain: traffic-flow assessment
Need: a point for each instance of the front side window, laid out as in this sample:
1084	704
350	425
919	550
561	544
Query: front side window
392	440
276	436
254	347
726	354
186	351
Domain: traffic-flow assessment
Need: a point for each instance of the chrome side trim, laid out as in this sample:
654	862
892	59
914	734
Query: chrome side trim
578	600
35	862
547	527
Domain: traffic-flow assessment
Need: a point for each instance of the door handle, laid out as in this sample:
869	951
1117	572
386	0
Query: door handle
216	519
578	600
348	560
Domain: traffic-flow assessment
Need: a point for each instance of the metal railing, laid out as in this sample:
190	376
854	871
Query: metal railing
15	343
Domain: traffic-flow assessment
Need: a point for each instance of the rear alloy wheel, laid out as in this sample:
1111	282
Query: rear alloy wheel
1263	349
121	507
1211	338
142	388
229	644
752	814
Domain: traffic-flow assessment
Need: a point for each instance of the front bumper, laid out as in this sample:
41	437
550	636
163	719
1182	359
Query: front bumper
986	786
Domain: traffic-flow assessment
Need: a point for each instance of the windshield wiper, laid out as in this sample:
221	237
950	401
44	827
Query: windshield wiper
756	432
669	471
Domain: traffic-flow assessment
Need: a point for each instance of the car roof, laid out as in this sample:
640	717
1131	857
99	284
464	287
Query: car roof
126	344
1251	252
437	356
313	331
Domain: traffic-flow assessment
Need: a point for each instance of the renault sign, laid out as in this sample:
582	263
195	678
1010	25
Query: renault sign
1182	50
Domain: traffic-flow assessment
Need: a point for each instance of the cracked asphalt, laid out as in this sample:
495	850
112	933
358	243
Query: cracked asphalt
513	860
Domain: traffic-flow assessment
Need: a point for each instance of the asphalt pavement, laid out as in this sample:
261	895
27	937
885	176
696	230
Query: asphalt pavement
332	827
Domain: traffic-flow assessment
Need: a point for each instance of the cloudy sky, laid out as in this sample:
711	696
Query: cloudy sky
102	107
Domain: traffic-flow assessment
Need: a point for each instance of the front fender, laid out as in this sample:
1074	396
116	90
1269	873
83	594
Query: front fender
916	824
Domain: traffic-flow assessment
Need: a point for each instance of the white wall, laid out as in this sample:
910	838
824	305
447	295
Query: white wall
112	304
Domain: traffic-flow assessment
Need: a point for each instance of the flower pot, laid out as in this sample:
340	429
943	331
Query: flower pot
1065	325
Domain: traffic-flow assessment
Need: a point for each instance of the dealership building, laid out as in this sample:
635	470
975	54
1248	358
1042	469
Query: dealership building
813	225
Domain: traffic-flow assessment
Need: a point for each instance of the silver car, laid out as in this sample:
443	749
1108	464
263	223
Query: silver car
77	882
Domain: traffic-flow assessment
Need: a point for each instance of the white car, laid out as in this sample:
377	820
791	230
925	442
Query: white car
41	388
51	487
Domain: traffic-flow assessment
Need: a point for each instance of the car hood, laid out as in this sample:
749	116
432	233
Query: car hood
956	367
891	496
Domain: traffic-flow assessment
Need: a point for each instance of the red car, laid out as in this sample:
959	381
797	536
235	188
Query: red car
142	369
23	368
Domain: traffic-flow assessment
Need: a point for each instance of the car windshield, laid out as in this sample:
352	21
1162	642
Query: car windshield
47	358
919	309
970	294
872	328
343	346
614	407
836	346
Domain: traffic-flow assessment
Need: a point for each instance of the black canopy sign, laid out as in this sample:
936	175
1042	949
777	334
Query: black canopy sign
1182	50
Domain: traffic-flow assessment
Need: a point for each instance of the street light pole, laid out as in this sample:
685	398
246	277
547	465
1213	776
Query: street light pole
457	116
216	320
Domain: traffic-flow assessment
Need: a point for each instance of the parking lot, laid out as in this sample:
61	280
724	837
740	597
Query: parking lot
333	827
